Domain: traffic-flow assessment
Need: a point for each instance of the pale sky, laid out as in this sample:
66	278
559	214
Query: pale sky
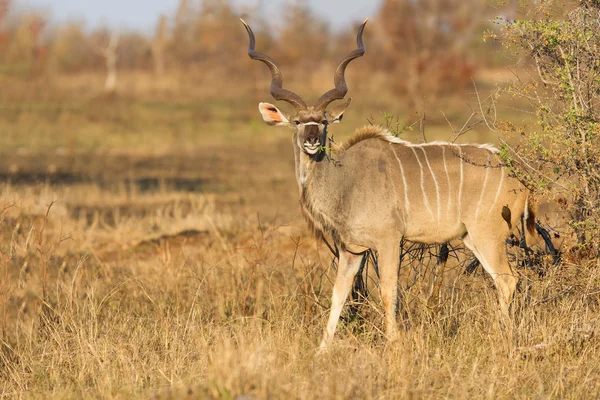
143	14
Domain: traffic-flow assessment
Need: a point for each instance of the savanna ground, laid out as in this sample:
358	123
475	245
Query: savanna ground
152	246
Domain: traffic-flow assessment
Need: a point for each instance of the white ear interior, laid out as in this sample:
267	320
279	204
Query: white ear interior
337	113
271	114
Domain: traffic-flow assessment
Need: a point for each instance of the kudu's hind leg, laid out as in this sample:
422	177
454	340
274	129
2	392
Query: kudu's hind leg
491	252
347	268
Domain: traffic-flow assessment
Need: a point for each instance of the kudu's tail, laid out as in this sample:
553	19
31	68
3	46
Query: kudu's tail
530	207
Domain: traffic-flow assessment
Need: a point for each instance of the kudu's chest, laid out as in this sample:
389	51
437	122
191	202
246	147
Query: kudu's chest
332	206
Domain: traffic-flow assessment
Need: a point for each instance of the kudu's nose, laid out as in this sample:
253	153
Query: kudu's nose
312	139
312	144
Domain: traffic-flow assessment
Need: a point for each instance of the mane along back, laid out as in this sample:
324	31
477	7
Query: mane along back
370	132
379	132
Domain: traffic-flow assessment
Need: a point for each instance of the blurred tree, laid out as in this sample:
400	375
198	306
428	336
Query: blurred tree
70	50
135	51
216	30
181	43
4	9
428	44
40	53
303	36
158	45
21	50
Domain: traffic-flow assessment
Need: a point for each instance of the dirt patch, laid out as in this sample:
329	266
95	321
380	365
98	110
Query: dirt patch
184	171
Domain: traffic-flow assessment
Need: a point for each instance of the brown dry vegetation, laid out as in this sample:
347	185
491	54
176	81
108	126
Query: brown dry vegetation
214	294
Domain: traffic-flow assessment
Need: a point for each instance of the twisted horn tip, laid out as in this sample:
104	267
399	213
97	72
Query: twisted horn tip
251	38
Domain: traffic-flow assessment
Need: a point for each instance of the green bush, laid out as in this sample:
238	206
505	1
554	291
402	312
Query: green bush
561	155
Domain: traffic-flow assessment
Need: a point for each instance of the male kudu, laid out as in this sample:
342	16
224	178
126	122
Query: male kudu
377	189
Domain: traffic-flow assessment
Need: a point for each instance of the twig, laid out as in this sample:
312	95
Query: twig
422	128
449	123
524	162
481	108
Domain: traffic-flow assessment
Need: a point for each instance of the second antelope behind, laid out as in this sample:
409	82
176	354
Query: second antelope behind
378	189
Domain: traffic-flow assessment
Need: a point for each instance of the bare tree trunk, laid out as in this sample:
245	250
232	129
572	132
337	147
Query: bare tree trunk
111	57
111	78
158	46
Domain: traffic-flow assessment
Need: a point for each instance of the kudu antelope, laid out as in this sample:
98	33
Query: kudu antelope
376	189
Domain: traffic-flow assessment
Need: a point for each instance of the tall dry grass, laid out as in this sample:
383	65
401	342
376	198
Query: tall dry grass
143	305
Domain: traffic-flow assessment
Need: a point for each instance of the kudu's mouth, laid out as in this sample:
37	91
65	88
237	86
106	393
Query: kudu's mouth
311	149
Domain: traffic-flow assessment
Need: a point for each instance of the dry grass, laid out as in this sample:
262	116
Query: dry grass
188	301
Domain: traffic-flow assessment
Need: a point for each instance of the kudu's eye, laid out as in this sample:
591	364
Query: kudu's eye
324	122
297	122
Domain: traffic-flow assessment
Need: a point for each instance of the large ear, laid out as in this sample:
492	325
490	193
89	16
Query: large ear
336	114
271	114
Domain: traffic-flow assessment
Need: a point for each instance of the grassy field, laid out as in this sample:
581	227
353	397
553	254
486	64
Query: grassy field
152	246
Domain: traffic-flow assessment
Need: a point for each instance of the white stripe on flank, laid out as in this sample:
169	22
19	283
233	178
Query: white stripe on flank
487	173
437	188
498	191
406	202
461	182
425	200
447	178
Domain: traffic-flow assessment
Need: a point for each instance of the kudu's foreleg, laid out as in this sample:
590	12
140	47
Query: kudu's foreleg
389	263
347	268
